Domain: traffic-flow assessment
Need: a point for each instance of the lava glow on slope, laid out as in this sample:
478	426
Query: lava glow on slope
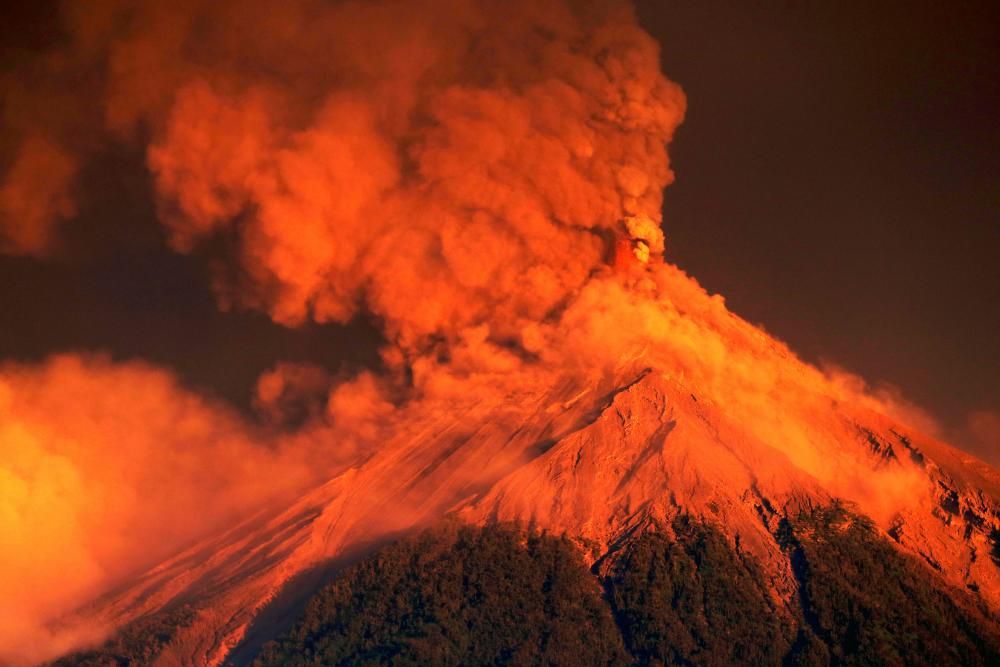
483	178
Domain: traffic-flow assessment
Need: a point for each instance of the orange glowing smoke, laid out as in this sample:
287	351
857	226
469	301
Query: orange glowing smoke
33	195
104	469
474	158
460	169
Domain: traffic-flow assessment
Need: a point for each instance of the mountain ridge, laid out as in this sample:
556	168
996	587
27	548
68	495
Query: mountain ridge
621	463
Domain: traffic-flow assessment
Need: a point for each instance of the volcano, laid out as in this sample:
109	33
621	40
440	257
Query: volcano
605	461
558	448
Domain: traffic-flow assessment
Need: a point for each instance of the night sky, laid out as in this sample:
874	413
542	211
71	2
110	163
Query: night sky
837	181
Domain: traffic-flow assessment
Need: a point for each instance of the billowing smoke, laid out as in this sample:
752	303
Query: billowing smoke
439	164
34	195
482	177
981	435
105	468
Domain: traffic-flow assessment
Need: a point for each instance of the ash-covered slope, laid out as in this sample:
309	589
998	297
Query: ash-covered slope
602	465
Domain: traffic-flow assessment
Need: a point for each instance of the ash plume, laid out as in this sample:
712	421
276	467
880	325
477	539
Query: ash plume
477	159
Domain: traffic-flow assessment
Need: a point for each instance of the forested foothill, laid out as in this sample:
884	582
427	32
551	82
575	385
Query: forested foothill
678	595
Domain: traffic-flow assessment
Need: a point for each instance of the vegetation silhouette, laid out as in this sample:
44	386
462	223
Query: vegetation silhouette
681	594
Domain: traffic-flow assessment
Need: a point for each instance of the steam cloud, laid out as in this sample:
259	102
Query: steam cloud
482	177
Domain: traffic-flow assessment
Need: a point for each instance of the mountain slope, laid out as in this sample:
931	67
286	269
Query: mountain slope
678	594
659	403
617	466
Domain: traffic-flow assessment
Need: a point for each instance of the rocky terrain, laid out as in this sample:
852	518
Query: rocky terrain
602	467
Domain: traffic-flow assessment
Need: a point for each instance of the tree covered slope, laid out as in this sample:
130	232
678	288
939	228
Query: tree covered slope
684	595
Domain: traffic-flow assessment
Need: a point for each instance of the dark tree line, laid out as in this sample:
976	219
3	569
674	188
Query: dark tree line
138	643
500	595
691	599
864	603
459	596
682	596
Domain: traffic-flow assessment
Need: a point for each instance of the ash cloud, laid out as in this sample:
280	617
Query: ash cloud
474	158
104	469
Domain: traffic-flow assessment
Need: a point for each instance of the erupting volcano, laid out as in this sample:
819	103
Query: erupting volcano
484	181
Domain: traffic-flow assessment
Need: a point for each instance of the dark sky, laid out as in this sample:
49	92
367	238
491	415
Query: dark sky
837	182
114	286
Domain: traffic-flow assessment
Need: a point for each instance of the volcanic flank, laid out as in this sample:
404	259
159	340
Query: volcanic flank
484	179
